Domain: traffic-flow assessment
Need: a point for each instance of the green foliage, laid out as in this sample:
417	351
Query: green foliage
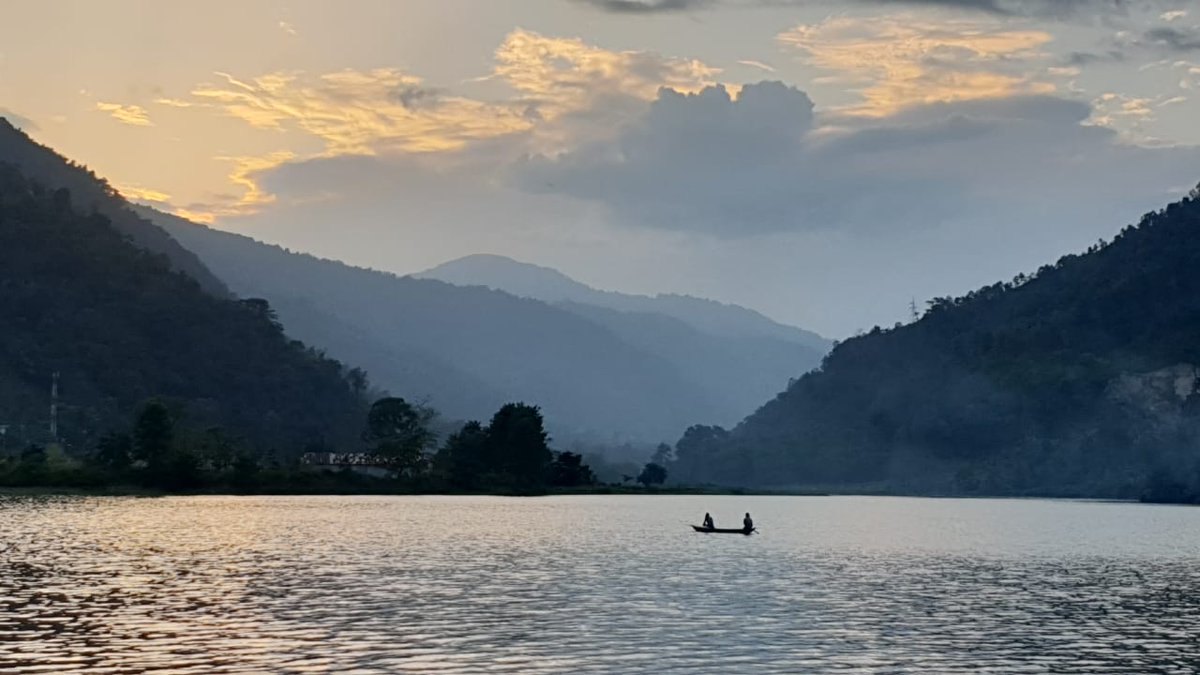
510	454
399	430
121	326
153	433
34	454
652	474
568	470
463	462
516	446
114	451
1071	381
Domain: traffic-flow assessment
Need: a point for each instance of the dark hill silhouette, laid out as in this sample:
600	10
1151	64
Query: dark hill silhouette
1079	380
91	193
78	297
466	351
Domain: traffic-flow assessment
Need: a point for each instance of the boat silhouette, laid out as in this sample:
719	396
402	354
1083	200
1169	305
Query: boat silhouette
724	530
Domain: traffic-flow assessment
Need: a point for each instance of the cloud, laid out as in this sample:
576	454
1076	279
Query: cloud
895	62
142	194
387	110
1033	8
354	111
563	91
757	64
134	115
245	175
760	163
558	77
1120	111
1088	58
18	121
647	6
1173	39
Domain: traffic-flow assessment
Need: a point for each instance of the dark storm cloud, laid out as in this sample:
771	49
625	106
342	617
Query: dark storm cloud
709	163
413	96
647	6
1089	58
1004	7
1174	39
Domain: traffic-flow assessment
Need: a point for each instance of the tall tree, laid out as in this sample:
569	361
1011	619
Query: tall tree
462	461
517	445
153	433
652	474
399	431
114	451
568	470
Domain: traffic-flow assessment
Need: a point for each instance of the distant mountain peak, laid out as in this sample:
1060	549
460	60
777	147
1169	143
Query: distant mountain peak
550	285
513	276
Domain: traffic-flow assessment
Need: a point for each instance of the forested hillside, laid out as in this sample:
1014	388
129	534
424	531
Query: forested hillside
1078	380
120	326
89	193
735	355
549	285
464	351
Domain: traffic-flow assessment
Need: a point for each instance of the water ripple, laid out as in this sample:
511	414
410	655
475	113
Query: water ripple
594	584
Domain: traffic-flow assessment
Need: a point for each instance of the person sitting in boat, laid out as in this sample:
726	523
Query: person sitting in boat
747	523
708	522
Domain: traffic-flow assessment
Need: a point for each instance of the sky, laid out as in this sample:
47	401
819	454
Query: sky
826	163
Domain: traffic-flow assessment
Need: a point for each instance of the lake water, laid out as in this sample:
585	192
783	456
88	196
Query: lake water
595	584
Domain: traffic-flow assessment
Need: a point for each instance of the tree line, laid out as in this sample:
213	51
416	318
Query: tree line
511	454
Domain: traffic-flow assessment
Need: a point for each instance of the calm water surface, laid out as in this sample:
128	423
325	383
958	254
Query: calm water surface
595	584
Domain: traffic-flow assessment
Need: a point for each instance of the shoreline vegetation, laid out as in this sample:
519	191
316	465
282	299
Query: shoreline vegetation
613	490
400	455
334	486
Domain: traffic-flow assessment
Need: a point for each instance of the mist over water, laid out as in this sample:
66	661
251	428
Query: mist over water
595	584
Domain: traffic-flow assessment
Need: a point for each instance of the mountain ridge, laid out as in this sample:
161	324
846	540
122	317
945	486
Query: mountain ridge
90	192
553	286
1078	380
79	298
439	342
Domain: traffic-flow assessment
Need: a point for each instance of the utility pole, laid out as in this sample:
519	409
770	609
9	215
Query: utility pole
54	407
912	309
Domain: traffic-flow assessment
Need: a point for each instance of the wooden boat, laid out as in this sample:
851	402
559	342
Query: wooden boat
723	530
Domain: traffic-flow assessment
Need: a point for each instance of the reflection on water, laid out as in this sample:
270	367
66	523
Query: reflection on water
595	584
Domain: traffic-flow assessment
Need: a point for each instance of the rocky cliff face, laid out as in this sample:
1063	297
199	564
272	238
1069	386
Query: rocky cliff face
1162	392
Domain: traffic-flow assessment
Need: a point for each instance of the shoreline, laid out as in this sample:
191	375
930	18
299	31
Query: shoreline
611	490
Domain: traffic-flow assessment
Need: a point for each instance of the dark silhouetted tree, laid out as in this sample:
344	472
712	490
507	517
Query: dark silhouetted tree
652	474
517	445
399	431
568	470
153	433
462	461
114	451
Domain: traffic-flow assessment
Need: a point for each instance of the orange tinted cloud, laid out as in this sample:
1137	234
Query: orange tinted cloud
895	62
127	114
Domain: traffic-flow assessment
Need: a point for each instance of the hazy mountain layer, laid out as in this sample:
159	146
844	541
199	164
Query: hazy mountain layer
464	350
737	356
1081	379
550	285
